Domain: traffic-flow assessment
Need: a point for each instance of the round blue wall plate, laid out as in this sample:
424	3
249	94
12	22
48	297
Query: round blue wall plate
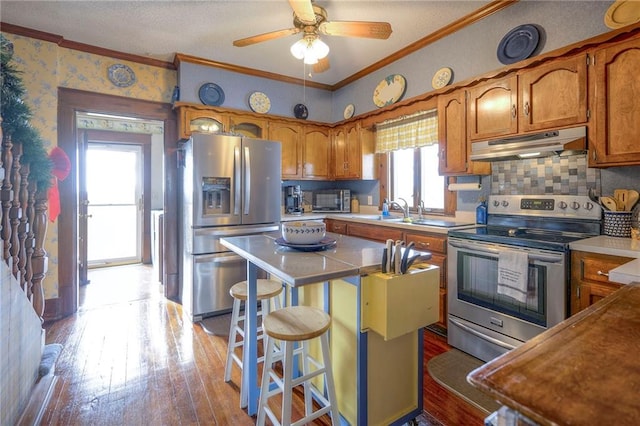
518	44
211	94
121	75
301	111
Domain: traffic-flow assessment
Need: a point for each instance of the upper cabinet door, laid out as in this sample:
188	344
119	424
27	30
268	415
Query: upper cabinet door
316	153
615	94
289	135
554	94
452	133
492	109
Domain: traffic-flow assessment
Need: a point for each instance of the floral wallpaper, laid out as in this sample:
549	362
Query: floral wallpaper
46	66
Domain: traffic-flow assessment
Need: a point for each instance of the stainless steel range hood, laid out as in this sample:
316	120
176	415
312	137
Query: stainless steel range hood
528	146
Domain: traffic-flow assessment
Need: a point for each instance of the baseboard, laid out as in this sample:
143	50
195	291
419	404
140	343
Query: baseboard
38	401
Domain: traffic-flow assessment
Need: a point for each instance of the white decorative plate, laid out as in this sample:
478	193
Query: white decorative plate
121	75
441	78
259	102
389	90
622	13
348	111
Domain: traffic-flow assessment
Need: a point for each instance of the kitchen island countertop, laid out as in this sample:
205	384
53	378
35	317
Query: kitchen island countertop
604	244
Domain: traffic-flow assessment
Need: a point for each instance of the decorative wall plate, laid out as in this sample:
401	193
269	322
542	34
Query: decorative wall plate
348	111
300	111
622	13
518	44
389	90
441	78
121	75
259	102
211	94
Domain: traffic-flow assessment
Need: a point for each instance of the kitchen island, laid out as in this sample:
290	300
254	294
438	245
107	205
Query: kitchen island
583	371
345	281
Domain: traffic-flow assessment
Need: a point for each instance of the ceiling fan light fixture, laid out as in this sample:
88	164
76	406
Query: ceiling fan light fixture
309	48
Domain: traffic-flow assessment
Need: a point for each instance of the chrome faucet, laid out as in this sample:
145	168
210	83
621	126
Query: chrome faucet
405	208
420	209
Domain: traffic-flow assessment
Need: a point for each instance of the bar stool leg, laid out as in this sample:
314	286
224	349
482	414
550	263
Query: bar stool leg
329	383
287	370
233	335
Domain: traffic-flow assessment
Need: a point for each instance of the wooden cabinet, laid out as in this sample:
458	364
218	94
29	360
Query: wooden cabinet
548	96
337	226
200	120
615	90
346	152
249	126
553	94
452	138
374	232
290	137
590	278
437	245
492	109
316	153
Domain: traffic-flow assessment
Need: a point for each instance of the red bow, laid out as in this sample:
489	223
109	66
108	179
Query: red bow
60	170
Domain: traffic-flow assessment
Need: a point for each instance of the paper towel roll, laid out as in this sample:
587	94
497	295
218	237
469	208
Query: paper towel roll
465	187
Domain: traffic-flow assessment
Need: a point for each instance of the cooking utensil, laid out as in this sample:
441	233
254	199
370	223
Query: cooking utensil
621	196
609	203
592	196
389	255
397	256
405	258
632	200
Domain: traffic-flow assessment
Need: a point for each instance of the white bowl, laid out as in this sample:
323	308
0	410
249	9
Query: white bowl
303	232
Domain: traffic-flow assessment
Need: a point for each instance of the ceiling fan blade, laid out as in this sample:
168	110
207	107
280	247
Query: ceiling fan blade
265	37
304	11
321	66
381	30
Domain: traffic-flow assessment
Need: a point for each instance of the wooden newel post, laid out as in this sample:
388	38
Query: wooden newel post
39	259
6	195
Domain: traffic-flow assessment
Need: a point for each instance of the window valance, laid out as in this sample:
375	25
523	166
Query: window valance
411	131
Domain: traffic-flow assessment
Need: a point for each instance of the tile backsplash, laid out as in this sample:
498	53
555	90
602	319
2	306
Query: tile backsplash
564	175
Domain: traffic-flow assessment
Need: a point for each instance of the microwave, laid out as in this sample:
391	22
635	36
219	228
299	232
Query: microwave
332	200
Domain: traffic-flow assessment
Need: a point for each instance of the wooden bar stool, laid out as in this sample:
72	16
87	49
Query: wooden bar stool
267	290
291	325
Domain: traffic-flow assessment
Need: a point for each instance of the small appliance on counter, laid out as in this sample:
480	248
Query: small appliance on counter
332	200
293	199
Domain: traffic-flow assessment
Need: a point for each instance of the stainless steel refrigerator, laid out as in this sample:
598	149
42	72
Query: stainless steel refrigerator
231	185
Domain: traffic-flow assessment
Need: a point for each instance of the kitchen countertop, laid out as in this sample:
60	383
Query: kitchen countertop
603	244
583	371
615	246
394	222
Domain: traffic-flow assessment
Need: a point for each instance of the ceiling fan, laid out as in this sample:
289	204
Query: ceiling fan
311	20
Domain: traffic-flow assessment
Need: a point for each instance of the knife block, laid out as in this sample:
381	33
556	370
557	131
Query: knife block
394	305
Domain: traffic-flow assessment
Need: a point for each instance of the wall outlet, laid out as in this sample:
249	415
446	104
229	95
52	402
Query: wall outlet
369	200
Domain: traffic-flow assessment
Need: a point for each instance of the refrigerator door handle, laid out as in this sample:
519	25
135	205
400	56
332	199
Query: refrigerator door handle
237	167
247	179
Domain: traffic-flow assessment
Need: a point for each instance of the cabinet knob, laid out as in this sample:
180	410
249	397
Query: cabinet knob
513	111
604	274
526	108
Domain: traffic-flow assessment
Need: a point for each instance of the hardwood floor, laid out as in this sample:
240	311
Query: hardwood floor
131	358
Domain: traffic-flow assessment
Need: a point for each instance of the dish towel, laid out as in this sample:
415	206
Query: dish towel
513	267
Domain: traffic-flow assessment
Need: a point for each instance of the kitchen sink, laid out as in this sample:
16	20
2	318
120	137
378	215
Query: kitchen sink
377	217
438	222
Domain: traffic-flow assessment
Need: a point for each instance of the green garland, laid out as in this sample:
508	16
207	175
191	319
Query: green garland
16	117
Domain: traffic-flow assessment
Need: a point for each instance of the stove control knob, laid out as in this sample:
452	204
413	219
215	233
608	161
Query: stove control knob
505	203
575	205
588	205
496	203
562	205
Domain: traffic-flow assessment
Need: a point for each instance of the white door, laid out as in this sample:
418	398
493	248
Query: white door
114	176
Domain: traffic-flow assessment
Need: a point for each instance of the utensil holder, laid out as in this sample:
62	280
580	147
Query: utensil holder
617	224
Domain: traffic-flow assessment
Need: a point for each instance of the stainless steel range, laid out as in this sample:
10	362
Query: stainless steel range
486	317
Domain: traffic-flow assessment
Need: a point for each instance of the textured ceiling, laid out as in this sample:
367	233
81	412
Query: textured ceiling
206	29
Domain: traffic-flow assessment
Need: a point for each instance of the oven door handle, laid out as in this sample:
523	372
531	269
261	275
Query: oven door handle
532	256
482	336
